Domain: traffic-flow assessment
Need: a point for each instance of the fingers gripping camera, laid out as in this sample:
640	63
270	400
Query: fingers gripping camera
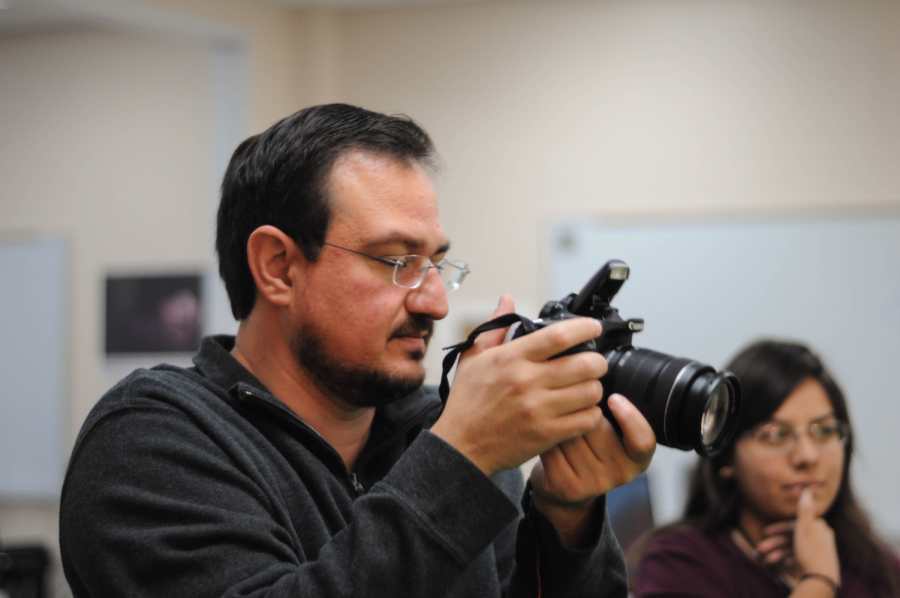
687	403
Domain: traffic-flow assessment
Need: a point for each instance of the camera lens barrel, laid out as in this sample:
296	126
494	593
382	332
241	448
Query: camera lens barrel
688	404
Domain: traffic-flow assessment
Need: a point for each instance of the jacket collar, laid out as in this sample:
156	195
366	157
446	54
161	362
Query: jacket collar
215	362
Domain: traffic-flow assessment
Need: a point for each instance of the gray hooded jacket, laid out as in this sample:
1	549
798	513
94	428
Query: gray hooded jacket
198	482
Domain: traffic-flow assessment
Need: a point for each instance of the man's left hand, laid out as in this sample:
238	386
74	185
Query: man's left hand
571	475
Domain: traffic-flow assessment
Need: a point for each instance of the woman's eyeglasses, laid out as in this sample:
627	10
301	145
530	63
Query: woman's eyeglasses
780	436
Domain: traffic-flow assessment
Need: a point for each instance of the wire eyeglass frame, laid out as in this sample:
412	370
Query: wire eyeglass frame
840	430
452	272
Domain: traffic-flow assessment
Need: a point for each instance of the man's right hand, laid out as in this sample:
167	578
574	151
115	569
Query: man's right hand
508	403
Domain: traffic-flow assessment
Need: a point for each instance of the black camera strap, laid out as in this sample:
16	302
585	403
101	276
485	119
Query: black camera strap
498	322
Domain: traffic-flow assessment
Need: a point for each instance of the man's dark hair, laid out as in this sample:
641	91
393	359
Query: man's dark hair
280	177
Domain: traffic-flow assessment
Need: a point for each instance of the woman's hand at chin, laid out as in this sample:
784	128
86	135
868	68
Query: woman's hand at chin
802	546
814	546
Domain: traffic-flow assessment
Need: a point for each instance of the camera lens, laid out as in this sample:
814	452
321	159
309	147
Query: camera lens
688	404
715	415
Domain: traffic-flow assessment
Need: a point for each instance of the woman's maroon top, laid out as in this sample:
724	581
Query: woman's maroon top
688	563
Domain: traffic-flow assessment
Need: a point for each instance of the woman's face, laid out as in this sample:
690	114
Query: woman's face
770	479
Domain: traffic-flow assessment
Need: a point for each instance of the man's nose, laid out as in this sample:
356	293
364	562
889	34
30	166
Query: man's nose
430	297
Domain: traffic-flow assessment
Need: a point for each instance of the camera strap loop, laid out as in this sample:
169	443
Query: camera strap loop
498	322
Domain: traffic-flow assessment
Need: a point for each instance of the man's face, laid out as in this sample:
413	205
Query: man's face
360	337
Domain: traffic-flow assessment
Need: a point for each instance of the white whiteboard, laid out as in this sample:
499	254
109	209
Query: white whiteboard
32	349
706	290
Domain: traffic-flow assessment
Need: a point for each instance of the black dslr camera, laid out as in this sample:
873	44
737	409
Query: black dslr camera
688	404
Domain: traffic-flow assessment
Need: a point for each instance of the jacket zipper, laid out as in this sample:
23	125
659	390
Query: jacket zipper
359	487
412	421
360	490
409	424
281	407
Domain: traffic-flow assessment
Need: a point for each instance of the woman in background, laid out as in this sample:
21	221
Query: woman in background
774	514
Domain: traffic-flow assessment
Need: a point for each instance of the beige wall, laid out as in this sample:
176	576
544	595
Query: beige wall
107	140
292	53
643	110
105	143
592	108
539	109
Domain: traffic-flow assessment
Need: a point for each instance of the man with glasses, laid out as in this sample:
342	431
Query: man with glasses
304	457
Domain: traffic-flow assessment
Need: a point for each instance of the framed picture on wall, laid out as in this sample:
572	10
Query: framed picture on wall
153	314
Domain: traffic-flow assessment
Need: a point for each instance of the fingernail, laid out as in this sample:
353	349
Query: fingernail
615	399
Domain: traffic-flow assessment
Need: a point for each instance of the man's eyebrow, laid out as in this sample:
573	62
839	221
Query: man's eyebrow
408	242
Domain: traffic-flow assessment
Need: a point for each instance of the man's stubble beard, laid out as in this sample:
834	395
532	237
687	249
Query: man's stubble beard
358	385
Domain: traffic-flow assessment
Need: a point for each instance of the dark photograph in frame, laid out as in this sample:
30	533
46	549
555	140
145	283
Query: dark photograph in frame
153	314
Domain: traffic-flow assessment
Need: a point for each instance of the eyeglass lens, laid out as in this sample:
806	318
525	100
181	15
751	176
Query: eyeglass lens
783	436
412	270
453	273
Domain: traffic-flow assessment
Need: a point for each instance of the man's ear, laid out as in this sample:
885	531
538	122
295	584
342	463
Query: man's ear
270	254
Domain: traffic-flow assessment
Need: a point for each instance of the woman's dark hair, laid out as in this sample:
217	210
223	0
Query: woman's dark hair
769	371
280	177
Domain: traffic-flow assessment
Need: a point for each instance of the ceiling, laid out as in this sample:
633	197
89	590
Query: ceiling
48	15
367	4
27	15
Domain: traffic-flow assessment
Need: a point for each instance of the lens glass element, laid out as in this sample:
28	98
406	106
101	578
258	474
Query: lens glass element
715	414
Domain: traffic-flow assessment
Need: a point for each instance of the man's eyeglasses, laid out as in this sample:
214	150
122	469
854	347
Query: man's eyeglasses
781	437
411	270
